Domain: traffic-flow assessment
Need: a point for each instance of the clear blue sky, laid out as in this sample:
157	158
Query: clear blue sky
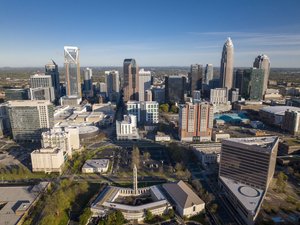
155	33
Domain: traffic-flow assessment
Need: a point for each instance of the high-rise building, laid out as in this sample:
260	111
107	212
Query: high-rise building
263	62
40	80
127	128
246	169
252	85
144	83
175	88
196	122
218	96
208	76
146	112
112	81
291	121
41	87
233	95
30	118
238	79
16	94
148	95
72	67
158	94
226	69
195	77
88	83
52	69
130	81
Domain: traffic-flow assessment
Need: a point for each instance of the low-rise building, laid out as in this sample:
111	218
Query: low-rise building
207	153
95	166
127	128
186	201
219	136
289	146
145	111
47	160
162	137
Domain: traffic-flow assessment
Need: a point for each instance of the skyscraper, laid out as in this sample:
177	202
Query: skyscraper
112	81
175	88
208	74
144	83
238	79
263	62
252	85
88	83
52	69
195	77
130	81
196	122
226	69
73	82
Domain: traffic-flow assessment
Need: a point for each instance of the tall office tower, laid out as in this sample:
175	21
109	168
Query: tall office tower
112	81
144	83
52	69
195	78
263	62
291	121
196	122
30	118
226	69
233	95
72	67
238	79
252	88
208	74
246	169
88	83
130	81
175	88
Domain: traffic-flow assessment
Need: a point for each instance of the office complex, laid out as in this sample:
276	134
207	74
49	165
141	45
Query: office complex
291	121
127	128
196	122
88	83
47	160
52	69
175	89
30	118
246	169
16	94
146	112
112	81
72	71
195	77
130	81
263	62
252	85
144	83
226	69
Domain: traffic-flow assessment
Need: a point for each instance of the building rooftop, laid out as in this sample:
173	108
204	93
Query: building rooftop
182	194
46	151
96	163
23	103
251	198
279	110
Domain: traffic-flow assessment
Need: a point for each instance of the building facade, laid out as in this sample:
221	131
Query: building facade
145	111
291	121
263	62
127	128
16	94
252	87
175	89
40	80
196	122
72	71
218	96
144	83
88	83
30	118
42	93
226	68
195	77
130	81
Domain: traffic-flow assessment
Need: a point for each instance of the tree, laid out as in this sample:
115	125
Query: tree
85	216
174	109
135	157
197	185
171	213
147	156
214	208
164	108
178	167
148	216
281	182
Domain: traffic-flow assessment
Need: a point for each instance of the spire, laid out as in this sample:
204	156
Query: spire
135	183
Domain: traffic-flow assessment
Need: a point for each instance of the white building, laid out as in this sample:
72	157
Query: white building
145	111
207	153
112	81
219	99
40	80
95	166
187	202
47	160
144	83
219	136
162	137
126	129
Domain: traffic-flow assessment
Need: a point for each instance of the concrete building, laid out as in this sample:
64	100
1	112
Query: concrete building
16	94
186	201
158	94
52	69
30	118
208	154
219	136
175	88
219	100
112	81
196	122
130	81
144	83
196	96
233	95
127	128
252	87
5	128
40	80
226	69
95	166
161	137
291	121
263	62
72	71
42	93
88	83
246	169
145	112
195	78
47	160
208	77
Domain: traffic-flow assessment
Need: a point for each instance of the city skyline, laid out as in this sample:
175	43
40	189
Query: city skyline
167	33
